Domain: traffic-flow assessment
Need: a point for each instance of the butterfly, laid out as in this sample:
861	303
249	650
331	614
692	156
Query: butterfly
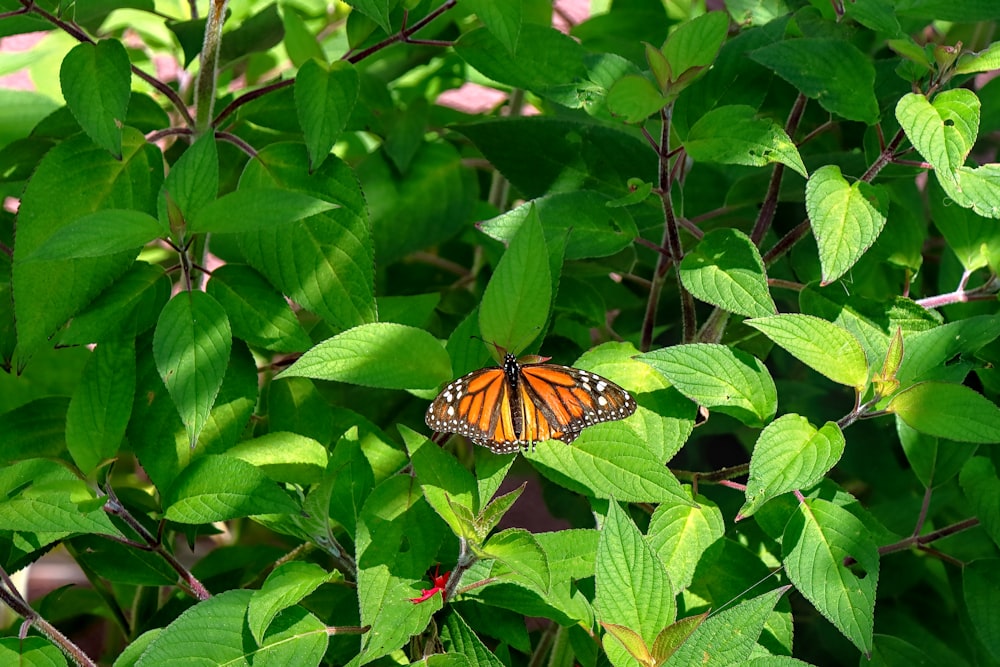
513	406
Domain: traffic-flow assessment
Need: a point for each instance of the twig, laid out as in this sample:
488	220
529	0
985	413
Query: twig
766	215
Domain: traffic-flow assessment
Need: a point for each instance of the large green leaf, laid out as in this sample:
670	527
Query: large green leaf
726	270
824	347
96	82
833	72
325	263
719	377
790	454
734	135
518	297
817	539
191	345
383	354
74	179
219	488
324	99
220	626
846	219
951	411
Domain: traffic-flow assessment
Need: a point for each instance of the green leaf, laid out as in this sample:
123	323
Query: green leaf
127	308
981	486
284	456
674	635
950	411
680	534
122	564
286	586
518	297
696	43
827	348
981	590
377	10
734	135
974	239
100	234
397	540
580	219
325	263
219	488
30	652
324	100
924	352
220	626
370	355
350	478
36	428
445	483
981	189
982	61
730	636
790	454
630	579
503	19
943	132
96	82
520	552
460	641
630	640
193	180
934	460
943	10
817	539
832	71
62	507
846	219
101	405
251	209
436	198
568	155
725	269
191	346
545	57
634	98
74	179
299	41
259	32
608	460
258	314
726	379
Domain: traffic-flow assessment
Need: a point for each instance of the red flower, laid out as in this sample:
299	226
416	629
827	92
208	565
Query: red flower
439	583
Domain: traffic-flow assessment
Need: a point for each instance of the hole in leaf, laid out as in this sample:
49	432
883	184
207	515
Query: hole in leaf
949	122
857	570
404	544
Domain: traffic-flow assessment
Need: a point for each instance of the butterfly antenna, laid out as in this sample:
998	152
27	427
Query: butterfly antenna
750	588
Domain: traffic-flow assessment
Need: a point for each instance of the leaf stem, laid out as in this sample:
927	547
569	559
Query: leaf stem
767	210
466	559
672	243
114	507
205	86
10	596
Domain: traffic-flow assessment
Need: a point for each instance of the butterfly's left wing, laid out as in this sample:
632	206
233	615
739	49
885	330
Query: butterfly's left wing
477	406
560	401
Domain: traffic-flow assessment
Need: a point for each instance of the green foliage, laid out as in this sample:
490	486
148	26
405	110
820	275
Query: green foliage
230	289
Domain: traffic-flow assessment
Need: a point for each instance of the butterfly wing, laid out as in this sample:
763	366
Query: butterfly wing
478	407
561	401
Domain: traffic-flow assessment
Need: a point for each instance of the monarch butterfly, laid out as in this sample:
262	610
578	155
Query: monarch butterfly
516	405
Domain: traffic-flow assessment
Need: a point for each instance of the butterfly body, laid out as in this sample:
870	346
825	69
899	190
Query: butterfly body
514	406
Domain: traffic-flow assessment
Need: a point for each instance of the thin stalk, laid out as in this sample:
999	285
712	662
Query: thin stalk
204	91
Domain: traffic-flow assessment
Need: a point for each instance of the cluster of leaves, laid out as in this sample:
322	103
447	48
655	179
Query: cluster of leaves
237	316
